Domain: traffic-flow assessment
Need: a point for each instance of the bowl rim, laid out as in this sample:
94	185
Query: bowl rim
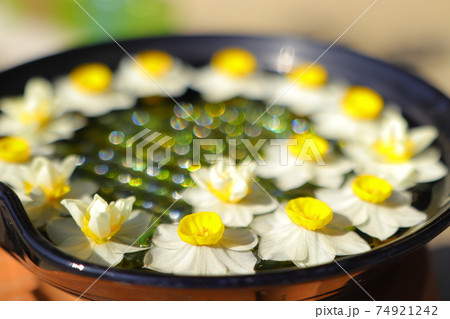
39	248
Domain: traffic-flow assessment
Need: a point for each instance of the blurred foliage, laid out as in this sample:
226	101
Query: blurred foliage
121	18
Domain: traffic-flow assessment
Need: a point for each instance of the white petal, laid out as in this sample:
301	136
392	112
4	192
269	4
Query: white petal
38	197
356	152
284	242
199	197
133	228
422	137
270	169
60	229
166	236
348	209
398	199
330	125
232	215
98	204
429	156
38	88
379	225
67	167
329	181
258	201
187	260
45	172
107	254
431	172
120	210
236	262
345	242
201	177
238	239
40	215
264	224
239	189
295	177
91	104
77	208
121	248
133	80
335	165
79	247
99	223
125	204
403	216
320	250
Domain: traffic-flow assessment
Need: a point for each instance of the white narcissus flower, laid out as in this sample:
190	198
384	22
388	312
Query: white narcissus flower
356	117
201	246
306	90
373	206
304	158
99	232
42	184
403	157
227	190
37	116
302	231
88	90
231	73
164	74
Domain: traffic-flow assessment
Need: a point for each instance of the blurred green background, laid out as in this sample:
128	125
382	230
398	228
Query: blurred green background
121	18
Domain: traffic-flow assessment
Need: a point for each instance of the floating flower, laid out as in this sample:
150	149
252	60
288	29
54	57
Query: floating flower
302	232
153	73
403	157
306	90
13	151
356	117
373	206
232	72
37	116
227	190
42	184
88	89
99	232
201	246
304	158
16	151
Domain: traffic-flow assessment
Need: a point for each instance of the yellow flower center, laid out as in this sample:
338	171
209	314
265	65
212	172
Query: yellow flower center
14	150
53	194
309	147
201	229
309	213
394	151
225	193
371	189
156	63
362	103
57	191
91	77
98	240
314	77
234	62
41	118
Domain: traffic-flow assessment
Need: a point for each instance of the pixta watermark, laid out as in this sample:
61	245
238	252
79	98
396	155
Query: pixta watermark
149	149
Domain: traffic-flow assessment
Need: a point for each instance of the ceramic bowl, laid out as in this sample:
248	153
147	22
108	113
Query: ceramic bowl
422	105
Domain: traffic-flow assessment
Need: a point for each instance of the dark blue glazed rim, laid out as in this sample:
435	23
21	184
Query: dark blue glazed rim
421	103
